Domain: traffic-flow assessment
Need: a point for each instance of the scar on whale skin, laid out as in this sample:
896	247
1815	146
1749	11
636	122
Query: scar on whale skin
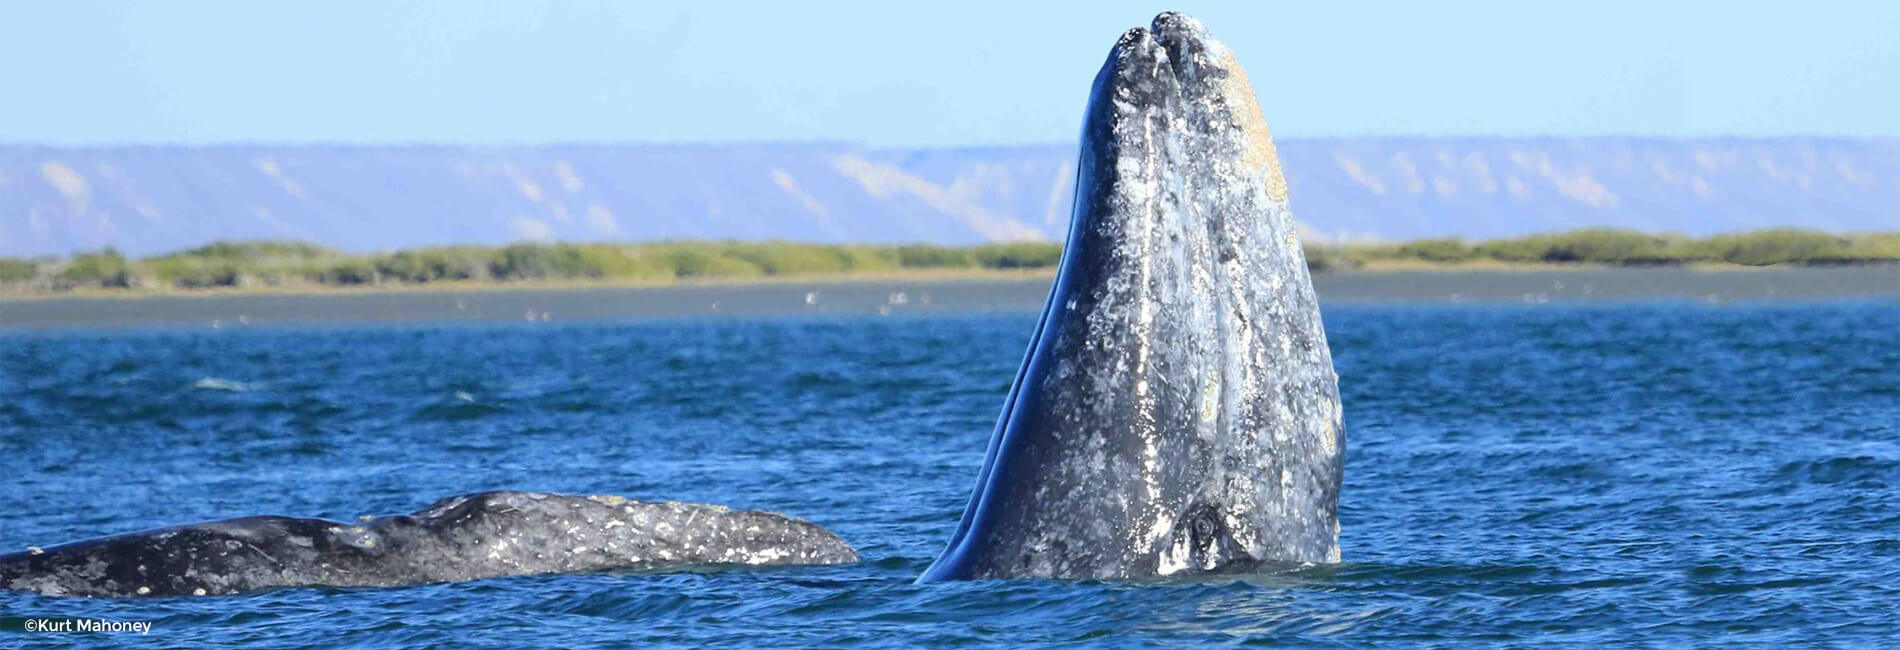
1177	410
470	537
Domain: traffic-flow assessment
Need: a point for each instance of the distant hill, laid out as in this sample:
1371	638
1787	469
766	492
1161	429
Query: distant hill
149	199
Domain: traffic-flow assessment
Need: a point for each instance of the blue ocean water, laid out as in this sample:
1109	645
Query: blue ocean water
1654	472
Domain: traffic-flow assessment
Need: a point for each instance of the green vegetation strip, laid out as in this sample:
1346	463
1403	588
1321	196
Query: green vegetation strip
290	264
1607	246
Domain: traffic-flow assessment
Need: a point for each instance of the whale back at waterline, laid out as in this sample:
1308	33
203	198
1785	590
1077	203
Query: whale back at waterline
467	537
1177	410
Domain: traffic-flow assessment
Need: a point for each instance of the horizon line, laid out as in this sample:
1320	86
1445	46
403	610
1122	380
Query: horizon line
860	145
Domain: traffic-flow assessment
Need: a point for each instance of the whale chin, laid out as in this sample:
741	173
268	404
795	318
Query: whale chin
1177	410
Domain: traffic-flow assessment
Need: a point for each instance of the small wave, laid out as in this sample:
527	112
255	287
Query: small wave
216	383
457	410
1843	470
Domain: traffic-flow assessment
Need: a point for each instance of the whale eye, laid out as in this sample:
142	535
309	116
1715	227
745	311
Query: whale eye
1206	544
1203	531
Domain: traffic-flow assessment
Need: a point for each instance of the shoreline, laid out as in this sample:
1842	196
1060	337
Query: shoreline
1371	269
483	286
934	292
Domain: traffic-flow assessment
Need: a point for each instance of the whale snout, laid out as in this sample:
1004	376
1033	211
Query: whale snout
1177	409
1193	52
1178	27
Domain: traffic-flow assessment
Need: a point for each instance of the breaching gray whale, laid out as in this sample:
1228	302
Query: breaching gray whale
1177	410
468	537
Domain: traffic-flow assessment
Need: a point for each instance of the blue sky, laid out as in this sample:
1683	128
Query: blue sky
933	73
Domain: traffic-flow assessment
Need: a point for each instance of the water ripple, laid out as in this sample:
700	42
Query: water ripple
1644	473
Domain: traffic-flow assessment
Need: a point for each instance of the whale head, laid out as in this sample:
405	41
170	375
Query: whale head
1177	410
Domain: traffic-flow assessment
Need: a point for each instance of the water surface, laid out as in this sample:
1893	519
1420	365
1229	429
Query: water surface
1570	473
887	296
